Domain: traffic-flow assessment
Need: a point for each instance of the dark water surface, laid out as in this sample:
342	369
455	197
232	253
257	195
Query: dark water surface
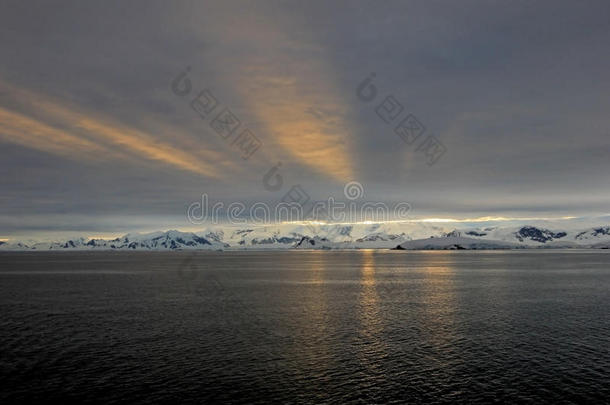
305	326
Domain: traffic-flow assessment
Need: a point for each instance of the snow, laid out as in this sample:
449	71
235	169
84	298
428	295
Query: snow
340	236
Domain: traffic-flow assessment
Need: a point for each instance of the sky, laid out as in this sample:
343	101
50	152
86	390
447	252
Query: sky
98	135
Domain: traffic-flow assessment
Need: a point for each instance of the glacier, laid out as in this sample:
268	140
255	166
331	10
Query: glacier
408	236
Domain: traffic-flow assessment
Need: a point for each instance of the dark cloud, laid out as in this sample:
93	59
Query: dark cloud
518	92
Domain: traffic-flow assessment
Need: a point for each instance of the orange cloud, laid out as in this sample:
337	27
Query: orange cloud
319	141
65	131
279	90
19	129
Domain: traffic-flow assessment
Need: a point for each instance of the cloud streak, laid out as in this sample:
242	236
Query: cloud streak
71	133
89	126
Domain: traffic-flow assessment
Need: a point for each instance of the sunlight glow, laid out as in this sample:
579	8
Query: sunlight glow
65	131
433	220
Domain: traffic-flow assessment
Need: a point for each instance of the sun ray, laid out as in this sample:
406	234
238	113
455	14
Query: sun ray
63	130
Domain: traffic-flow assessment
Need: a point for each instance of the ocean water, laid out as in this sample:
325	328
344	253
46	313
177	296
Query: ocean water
305	327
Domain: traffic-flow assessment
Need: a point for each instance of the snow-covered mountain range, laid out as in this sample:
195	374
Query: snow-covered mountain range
338	236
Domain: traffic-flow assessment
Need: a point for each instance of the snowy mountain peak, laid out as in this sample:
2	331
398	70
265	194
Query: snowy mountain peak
288	236
538	234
